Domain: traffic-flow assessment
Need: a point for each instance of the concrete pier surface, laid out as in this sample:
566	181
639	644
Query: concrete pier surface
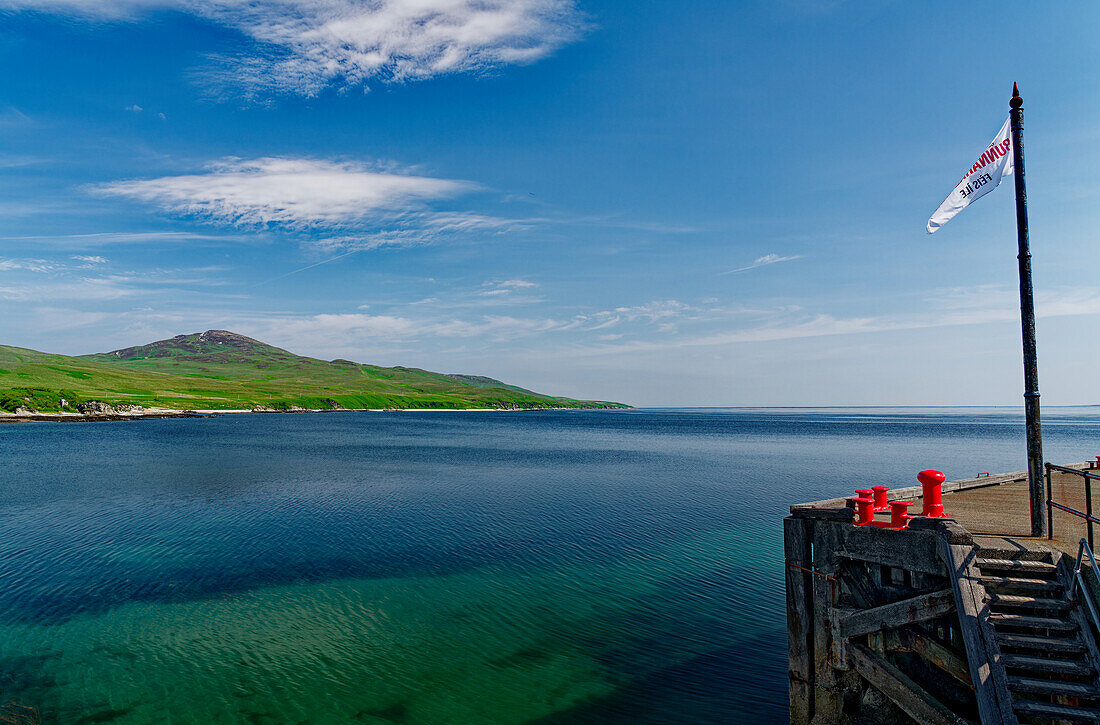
1002	508
998	505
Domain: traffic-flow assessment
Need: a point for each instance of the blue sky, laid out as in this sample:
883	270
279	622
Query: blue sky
689	203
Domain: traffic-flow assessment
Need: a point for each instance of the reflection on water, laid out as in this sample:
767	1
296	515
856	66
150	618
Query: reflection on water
556	567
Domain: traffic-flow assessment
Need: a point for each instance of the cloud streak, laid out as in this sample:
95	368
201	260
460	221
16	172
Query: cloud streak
764	262
309	266
303	46
103	239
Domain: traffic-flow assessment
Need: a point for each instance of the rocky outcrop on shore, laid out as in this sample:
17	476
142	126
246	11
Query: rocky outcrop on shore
96	407
95	410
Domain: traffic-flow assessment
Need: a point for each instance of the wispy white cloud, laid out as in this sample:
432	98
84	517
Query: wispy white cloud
152	279
351	243
658	311
70	279
310	266
417	228
470	222
432	319
135	108
111	9
28	265
291	192
354	335
12	116
303	46
102	239
948	308
409	230
764	262
364	332
505	287
518	293
16	162
87	290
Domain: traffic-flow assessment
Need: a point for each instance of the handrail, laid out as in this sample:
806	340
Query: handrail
1084	548
1052	504
1075	471
1086	517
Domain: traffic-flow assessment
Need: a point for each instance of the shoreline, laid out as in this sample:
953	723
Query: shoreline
82	418
163	414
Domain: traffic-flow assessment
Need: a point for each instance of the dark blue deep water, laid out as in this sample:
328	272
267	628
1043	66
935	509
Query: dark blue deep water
478	567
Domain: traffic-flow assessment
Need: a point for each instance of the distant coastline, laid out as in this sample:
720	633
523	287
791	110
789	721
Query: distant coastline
220	371
36	417
163	414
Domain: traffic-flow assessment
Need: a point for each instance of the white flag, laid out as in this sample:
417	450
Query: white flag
994	164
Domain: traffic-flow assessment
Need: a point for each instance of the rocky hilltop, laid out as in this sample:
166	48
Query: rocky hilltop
210	346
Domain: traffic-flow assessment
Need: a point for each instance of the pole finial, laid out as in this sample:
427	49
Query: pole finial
1016	101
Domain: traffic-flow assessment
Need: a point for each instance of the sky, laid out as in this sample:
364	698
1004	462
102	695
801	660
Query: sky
691	203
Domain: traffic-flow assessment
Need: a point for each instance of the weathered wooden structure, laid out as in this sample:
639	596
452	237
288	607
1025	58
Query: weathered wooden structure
931	624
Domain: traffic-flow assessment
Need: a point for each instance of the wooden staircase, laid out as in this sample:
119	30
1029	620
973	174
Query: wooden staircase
1046	647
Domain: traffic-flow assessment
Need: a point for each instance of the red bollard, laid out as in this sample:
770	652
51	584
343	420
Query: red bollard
930	482
865	513
899	516
880	497
1097	464
863	493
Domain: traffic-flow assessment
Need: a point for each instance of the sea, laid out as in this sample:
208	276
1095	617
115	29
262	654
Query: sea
602	566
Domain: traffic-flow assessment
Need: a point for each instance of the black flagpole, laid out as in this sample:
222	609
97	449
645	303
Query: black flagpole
1027	320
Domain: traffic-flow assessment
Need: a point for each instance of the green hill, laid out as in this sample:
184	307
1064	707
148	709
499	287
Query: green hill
218	369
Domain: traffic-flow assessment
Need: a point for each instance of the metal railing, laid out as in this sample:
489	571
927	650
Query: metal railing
1086	514
1079	581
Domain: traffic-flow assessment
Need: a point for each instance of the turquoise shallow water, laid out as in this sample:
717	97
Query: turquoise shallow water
547	567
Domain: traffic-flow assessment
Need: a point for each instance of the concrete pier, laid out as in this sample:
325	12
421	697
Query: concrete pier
963	619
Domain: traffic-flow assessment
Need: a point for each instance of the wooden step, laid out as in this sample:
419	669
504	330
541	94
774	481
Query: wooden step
1067	645
1047	711
1053	624
1058	688
1036	665
1021	584
1019	566
1000	619
1025	602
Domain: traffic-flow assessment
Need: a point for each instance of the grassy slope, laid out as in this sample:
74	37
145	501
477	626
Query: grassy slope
190	372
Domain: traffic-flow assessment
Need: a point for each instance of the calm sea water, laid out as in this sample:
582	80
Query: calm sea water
545	567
